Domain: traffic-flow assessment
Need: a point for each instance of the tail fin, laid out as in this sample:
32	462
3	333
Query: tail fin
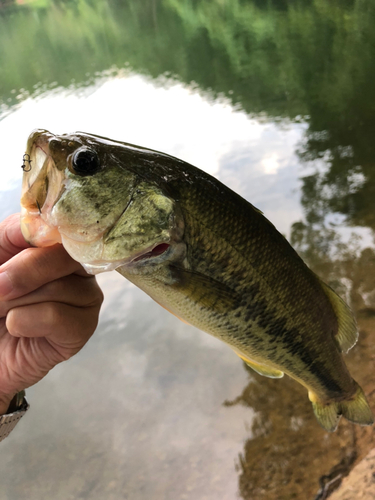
355	409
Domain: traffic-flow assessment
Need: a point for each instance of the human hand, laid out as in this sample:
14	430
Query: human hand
49	308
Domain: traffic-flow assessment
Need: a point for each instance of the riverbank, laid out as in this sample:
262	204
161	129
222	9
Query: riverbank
360	483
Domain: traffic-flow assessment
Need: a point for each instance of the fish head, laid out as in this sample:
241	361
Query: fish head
89	193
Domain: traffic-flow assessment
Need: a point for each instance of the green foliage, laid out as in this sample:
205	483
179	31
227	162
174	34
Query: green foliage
281	58
300	59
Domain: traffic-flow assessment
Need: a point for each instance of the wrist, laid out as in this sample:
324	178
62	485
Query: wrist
13	412
5	401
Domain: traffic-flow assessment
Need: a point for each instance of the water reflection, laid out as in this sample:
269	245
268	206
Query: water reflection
274	98
290	452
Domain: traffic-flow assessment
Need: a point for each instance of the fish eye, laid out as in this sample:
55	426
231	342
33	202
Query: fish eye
85	162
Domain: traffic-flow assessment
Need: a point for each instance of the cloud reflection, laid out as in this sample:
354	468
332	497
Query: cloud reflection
171	117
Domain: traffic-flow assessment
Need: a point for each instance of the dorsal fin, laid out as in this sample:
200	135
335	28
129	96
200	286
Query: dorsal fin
347	334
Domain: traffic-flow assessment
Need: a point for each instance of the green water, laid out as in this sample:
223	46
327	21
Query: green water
275	98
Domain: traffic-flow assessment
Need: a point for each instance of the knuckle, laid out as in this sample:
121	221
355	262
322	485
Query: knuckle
89	291
55	288
6	243
96	292
38	263
28	271
52	315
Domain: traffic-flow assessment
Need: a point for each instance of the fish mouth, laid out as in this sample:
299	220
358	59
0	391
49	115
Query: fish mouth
42	185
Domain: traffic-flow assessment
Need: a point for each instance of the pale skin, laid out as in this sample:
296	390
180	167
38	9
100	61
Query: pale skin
49	308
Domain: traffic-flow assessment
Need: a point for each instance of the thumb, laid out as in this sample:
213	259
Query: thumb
11	239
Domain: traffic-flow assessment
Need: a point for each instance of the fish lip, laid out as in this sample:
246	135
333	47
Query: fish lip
38	134
41	187
39	159
39	138
40	147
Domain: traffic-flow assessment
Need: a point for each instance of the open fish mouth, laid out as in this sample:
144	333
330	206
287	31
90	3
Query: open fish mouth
42	185
71	196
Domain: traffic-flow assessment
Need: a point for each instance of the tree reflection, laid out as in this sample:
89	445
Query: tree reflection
282	58
288	452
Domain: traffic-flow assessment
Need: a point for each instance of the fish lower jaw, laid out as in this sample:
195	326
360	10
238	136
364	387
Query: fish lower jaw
94	258
90	255
37	232
97	268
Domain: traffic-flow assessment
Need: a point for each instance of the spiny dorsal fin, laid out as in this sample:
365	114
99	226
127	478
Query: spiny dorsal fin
347	334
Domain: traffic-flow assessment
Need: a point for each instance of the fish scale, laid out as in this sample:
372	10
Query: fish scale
255	309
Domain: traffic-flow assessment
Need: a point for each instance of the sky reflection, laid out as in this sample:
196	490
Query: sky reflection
255	158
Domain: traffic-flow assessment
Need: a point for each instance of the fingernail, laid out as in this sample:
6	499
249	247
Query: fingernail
6	285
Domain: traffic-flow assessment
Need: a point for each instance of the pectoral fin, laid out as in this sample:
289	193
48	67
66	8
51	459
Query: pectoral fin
205	291
266	371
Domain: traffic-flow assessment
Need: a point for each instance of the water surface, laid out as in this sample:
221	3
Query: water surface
275	100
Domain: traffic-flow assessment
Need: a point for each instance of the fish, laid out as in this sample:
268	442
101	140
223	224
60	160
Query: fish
198	249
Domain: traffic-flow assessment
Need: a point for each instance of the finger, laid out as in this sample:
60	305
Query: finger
3	329
71	290
11	239
33	268
65	327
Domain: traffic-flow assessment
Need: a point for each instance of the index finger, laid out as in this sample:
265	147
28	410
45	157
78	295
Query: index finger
34	267
11	239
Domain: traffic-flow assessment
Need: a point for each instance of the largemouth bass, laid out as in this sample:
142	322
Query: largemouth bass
199	250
